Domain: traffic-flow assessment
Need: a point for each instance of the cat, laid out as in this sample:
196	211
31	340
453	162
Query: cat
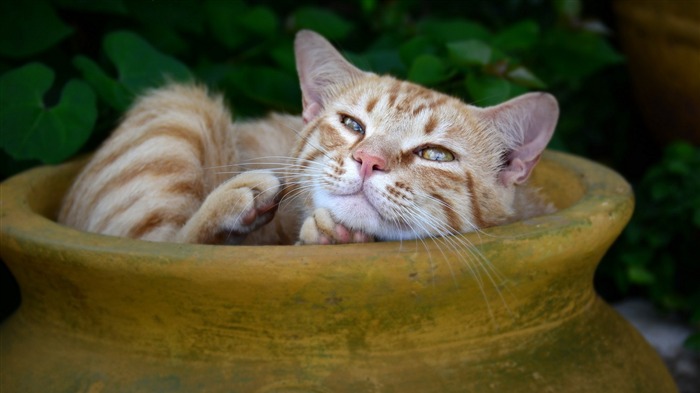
371	158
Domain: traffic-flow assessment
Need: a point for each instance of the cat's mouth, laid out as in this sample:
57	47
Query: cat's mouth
361	204
366	211
354	211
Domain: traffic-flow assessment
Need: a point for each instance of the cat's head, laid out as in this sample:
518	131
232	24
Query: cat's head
398	161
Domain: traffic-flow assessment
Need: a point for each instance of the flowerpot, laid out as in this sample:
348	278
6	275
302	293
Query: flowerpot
515	312
661	40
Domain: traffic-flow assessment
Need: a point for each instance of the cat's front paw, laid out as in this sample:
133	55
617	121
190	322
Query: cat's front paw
236	208
321	228
252	201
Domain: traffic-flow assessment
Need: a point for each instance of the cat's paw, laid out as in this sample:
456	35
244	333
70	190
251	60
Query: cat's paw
253	200
321	228
236	208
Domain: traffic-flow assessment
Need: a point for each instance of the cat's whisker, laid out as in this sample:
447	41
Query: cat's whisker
297	190
455	235
459	245
434	227
307	140
267	165
479	232
472	227
285	160
399	217
454	231
282	166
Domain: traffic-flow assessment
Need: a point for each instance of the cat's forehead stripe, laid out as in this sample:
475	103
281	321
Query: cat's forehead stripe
371	104
394	91
417	110
431	124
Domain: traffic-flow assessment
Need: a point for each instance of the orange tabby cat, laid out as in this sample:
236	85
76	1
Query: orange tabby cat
371	157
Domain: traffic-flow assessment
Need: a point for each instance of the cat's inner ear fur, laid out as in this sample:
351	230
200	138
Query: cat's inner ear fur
527	123
322	70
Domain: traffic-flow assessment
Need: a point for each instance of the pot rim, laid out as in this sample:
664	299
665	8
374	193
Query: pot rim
25	218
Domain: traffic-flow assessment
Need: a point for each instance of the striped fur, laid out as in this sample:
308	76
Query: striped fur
177	168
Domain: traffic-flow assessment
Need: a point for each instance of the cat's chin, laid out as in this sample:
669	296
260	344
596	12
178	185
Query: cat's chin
353	211
356	212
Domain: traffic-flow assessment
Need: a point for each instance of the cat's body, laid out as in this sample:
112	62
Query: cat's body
371	157
173	149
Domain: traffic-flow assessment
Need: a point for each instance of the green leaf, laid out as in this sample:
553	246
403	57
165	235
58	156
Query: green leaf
212	74
32	131
695	316
681	151
116	95
416	46
266	85
660	191
221	17
140	65
640	275
568	8
637	257
29	27
693	342
427	70
523	77
283	55
165	38
520	36
368	6
260	20
380	61
572	56
442	30
180	15
322	21
470	52
104	6
234	23
678	167
486	90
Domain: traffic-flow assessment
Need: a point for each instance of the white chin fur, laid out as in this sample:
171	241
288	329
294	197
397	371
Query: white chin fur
356	212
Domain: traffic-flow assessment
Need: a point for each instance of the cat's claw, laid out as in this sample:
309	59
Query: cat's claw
257	197
321	228
259	215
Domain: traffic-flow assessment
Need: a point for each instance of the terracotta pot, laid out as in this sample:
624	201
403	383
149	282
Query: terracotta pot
661	39
103	314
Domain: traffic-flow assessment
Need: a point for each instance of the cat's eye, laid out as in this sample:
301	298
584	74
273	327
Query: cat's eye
352	124
435	153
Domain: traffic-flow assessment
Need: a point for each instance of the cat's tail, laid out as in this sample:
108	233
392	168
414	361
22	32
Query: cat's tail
150	176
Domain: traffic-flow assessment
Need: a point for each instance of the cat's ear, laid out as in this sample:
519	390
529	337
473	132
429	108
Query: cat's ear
527	122
320	68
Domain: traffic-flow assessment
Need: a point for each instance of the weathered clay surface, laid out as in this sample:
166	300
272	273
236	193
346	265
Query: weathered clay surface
516	312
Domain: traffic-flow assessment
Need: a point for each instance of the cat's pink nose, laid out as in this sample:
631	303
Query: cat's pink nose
369	163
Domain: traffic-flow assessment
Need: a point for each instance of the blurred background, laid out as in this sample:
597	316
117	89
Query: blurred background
625	74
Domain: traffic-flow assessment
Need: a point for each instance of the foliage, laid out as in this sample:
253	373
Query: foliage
50	134
69	69
78	65
656	254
